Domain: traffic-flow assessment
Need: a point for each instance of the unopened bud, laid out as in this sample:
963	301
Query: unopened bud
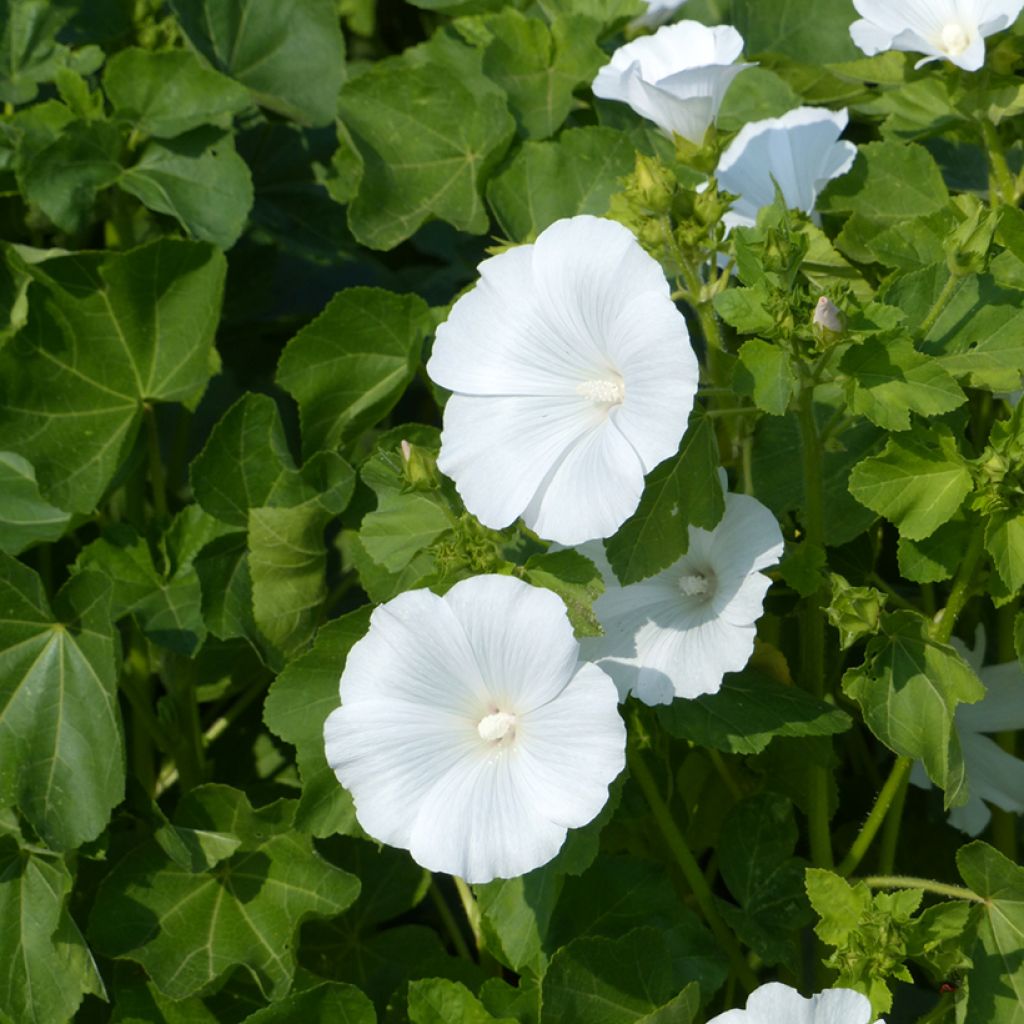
855	611
420	466
406	451
827	316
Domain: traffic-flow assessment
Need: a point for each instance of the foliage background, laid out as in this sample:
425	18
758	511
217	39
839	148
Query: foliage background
231	228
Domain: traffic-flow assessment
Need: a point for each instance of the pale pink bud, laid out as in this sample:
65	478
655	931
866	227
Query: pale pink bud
827	316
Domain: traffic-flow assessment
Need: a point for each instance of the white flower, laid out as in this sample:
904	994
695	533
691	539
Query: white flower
658	11
468	732
676	634
677	77
799	151
573	377
776	1003
951	30
992	774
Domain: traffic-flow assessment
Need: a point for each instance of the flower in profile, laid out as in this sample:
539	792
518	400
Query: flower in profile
658	12
468	732
776	1003
952	30
677	633
677	77
993	775
799	151
573	376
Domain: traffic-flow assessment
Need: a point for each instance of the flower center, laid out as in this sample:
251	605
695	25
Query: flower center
954	39
696	584
496	726
607	392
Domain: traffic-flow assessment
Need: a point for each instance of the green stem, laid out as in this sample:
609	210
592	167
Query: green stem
471	910
187	746
939	305
956	892
883	803
1003	186
690	869
451	926
939	1011
157	478
891	830
942	628
813	622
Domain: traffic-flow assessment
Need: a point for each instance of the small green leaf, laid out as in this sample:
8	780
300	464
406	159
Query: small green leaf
290	55
771	374
937	556
48	966
748	711
401	526
575	579
350	366
743	308
682	491
918	481
61	745
197	178
1004	541
297	706
439	1001
26	518
330	1003
577	173
806	30
169	93
187	929
909	687
427	133
28	43
997	977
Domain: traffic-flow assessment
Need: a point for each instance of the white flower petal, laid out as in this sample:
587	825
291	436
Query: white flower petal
775	1003
570	750
593	490
798	150
992	773
415	651
1002	707
497	612
480	823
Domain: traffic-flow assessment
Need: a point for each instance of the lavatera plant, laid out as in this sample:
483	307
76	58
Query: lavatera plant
499	506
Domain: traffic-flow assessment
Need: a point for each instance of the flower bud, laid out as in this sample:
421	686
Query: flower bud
855	611
419	466
827	317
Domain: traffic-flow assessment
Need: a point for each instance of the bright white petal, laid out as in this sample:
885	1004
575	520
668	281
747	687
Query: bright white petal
593	490
570	750
389	754
416	651
480	823
520	636
499	450
747	538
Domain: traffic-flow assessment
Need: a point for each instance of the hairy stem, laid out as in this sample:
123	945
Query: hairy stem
956	892
883	804
451	926
157	477
942	627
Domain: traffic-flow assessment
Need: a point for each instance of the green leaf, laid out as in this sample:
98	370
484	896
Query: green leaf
1004	541
937	556
539	68
28	43
747	712
997	977
743	308
439	1001
105	334
904	245
917	482
771	375
197	178
810	31
681	492
756	94
48	967
575	579
427	134
890	183
290	55
331	1003
756	859
26	518
298	704
63	176
188	929
909	687
891	379
349	367
400	526
577	173
515	914
612	981
171	92
61	748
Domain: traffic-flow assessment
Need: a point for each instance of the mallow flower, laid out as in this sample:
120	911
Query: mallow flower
658	11
573	376
952	30
468	732
677	633
993	775
776	1003
800	151
677	77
